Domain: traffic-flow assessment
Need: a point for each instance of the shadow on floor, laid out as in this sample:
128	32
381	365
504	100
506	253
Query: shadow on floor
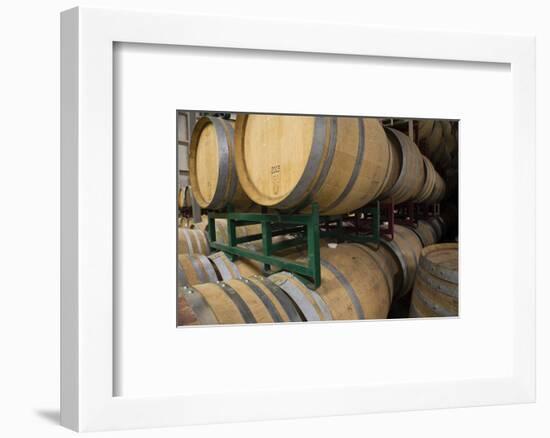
52	415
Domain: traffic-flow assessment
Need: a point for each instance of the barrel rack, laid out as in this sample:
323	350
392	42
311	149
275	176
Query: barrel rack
367	225
308	229
410	212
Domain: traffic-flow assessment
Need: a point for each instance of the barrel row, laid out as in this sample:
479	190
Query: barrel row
289	162
236	301
438	142
398	258
357	282
199	268
192	241
353	287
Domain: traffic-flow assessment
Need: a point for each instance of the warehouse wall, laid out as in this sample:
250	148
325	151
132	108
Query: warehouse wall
29	177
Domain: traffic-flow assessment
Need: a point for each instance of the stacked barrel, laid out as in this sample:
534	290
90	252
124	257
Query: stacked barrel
435	290
286	163
438	140
357	282
353	286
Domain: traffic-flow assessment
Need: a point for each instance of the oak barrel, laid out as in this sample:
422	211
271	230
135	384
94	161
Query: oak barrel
308	302
435	290
433	140
353	286
405	247
195	268
212	165
386	262
224	267
394	169
429	181
437	225
425	232
237	301
240	268
222	234
411	168
425	128
438	193
288	162
249	267
192	241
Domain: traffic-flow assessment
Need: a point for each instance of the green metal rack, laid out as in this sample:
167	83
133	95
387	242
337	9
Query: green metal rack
333	226
305	226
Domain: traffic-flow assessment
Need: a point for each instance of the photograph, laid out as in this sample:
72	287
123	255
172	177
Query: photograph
301	218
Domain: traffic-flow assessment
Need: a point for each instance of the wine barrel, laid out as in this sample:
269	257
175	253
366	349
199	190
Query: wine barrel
352	287
429	181
236	301
195	268
212	165
288	162
240	268
438	193
425	128
192	241
308	302
184	197
435	290
425	232
249	267
257	245
405	248
386	261
225	268
394	169
203	224
437	225
411	168
222	234
433	141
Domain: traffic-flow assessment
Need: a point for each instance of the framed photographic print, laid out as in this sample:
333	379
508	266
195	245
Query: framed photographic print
257	227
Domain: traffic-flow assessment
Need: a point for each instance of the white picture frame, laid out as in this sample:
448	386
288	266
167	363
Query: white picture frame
88	38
